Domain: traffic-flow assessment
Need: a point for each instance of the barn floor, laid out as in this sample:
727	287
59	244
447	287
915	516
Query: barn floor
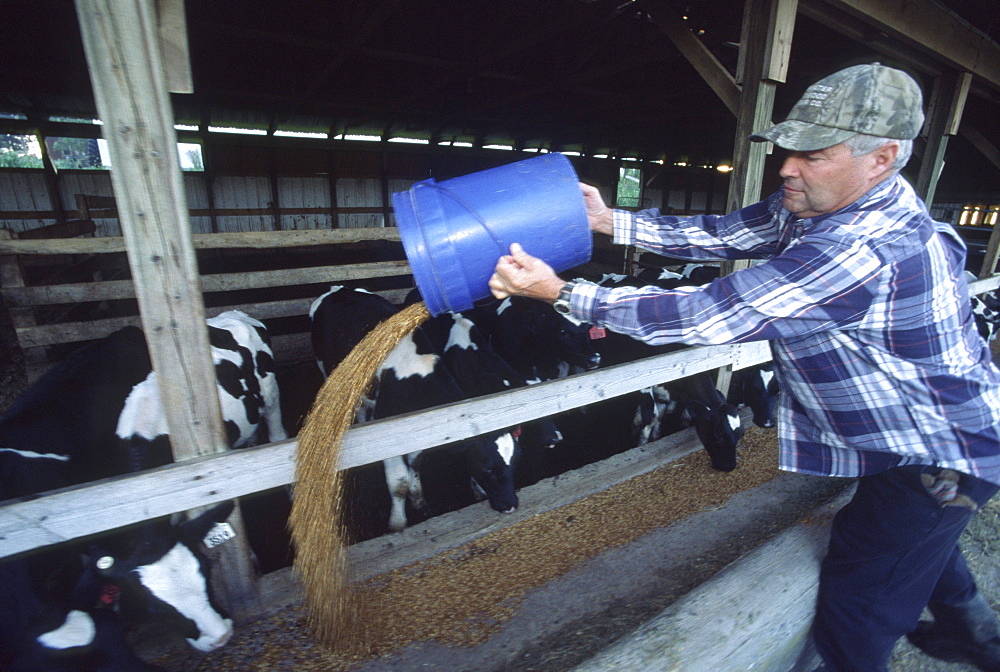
484	609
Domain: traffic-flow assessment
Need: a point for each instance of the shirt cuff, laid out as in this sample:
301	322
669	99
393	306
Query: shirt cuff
623	223
583	300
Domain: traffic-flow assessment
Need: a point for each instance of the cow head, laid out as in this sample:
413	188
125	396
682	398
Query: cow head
165	577
491	460
719	428
761	395
530	333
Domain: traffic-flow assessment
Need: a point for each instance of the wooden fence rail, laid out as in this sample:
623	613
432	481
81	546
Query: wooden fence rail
22	297
111	503
205	241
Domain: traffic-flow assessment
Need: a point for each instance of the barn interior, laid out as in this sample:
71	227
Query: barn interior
299	120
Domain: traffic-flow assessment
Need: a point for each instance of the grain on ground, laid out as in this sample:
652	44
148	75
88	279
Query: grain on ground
462	597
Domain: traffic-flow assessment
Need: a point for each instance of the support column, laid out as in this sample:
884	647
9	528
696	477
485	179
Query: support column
133	102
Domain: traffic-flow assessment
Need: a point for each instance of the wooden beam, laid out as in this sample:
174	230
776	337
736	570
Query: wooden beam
138	123
946	104
207	241
780	29
756	103
933	29
731	621
695	51
757	50
51	180
134	104
74	332
70	513
957	103
106	290
12	277
172	26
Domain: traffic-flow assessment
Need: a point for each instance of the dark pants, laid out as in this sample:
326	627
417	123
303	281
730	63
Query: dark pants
893	548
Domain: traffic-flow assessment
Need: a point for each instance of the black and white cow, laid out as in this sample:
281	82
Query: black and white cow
539	343
66	420
692	401
247	386
75	633
757	388
70	614
416	376
61	432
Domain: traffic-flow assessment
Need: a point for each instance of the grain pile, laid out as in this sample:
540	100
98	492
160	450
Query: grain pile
462	597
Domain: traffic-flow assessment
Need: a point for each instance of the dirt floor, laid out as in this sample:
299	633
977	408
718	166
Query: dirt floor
445	615
606	584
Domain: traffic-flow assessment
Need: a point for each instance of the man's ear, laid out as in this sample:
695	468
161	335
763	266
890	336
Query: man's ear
884	157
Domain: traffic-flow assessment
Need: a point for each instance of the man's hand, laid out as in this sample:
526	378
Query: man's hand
520	274
599	215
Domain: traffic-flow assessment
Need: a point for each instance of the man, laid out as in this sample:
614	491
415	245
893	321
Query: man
883	374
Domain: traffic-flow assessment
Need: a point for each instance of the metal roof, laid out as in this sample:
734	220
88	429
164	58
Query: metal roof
594	75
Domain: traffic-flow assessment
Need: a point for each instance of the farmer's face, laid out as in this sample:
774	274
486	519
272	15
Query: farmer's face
825	180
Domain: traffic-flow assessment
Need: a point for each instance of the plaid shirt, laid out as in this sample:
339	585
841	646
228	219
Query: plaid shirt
868	314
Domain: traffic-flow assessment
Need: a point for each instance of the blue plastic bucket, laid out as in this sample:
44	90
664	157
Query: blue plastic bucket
454	232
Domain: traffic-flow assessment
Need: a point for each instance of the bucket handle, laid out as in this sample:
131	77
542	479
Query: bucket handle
458	199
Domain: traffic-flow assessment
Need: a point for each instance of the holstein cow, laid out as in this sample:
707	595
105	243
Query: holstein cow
757	388
692	400
247	386
463	338
74	634
668	407
985	310
539	343
59	615
415	376
66	419
61	432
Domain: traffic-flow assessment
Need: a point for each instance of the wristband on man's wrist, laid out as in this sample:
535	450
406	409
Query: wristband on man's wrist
561	304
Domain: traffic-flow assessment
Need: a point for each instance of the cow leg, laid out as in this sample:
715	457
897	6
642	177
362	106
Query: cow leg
271	411
403	480
397	479
416	486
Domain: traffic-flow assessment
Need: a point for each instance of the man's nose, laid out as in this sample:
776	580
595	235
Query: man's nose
788	168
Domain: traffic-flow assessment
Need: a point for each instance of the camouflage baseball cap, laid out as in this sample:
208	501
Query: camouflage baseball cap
869	99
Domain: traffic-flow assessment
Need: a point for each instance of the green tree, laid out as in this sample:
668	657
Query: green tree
629	187
15	152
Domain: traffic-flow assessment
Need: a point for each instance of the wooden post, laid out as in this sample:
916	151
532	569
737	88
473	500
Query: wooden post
944	113
134	104
208	163
172	26
331	162
272	175
51	179
762	56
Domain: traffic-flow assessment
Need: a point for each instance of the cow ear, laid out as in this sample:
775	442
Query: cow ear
697	409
